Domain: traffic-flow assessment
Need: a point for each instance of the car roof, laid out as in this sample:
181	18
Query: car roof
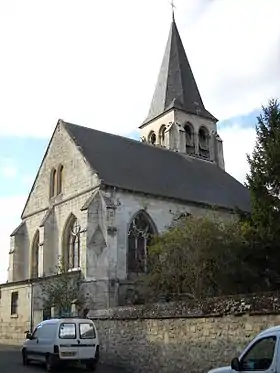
63	320
273	329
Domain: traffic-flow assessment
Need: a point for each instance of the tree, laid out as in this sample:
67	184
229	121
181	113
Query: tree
263	181
62	290
199	257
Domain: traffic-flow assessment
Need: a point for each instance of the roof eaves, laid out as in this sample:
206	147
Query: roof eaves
18	228
185	201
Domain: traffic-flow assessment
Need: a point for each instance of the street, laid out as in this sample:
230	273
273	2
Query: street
10	362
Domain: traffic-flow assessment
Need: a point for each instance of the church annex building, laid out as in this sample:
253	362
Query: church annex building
98	197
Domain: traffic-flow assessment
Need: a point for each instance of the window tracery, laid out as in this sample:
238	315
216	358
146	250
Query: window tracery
140	233
72	244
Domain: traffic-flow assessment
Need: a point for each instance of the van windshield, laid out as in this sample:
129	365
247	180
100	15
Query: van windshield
67	331
87	331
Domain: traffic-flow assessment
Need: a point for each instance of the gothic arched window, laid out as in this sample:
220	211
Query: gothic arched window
53	182
189	138
140	233
35	256
72	244
60	179
162	135
203	138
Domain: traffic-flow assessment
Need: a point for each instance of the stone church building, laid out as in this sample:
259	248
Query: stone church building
97	197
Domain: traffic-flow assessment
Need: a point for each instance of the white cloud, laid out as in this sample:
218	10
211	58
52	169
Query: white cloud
236	54
11	208
238	142
8	168
96	63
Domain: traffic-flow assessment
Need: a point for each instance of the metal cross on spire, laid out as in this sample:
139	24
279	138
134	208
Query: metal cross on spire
173	7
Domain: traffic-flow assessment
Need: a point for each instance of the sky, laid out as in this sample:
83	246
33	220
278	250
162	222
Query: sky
95	63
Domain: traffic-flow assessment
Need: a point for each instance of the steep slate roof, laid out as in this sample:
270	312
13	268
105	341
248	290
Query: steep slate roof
141	167
176	86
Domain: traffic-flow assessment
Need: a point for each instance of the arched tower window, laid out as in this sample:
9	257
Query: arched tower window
162	135
203	142
140	233
152	138
53	183
60	179
72	243
35	255
189	133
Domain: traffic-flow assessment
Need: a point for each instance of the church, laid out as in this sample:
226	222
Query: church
98	197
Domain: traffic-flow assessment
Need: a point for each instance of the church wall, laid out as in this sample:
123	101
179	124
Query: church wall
161	211
156	125
53	232
62	213
77	174
197	121
78	183
18	257
13	326
32	225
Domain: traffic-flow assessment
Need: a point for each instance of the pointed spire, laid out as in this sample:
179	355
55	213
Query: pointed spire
176	87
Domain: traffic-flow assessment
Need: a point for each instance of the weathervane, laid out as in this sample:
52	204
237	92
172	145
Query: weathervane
173	7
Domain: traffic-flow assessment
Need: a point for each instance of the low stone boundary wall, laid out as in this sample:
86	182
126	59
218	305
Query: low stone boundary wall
175	337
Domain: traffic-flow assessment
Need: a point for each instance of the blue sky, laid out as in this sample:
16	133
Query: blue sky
21	156
96	64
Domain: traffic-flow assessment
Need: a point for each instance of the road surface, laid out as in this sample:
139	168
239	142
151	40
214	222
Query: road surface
10	362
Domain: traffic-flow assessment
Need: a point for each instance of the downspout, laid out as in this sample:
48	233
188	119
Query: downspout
31	309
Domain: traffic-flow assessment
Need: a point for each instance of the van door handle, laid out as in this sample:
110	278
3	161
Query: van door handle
37	340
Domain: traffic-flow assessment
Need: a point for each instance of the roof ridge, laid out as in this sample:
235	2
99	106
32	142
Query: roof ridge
138	166
140	143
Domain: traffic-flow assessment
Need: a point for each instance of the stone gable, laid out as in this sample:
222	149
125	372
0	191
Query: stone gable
77	174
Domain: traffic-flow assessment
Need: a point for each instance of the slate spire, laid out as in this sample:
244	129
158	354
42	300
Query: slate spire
176	86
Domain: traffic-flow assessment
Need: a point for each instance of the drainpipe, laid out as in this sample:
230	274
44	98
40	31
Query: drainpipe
31	309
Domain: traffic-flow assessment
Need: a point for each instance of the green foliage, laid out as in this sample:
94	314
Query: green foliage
62	290
264	178
199	257
264	184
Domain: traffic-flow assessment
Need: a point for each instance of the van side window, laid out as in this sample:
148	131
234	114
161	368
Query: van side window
87	331
260	355
67	331
36	332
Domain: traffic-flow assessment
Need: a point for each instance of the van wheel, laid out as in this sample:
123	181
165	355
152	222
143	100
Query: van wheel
49	363
25	361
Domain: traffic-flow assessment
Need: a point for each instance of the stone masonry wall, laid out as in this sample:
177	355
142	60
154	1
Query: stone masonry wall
13	326
183	337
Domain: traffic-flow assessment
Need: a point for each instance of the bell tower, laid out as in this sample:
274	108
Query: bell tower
177	119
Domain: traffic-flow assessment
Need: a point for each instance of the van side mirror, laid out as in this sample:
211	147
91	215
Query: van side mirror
235	364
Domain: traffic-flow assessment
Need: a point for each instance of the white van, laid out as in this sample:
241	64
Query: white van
261	354
62	340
